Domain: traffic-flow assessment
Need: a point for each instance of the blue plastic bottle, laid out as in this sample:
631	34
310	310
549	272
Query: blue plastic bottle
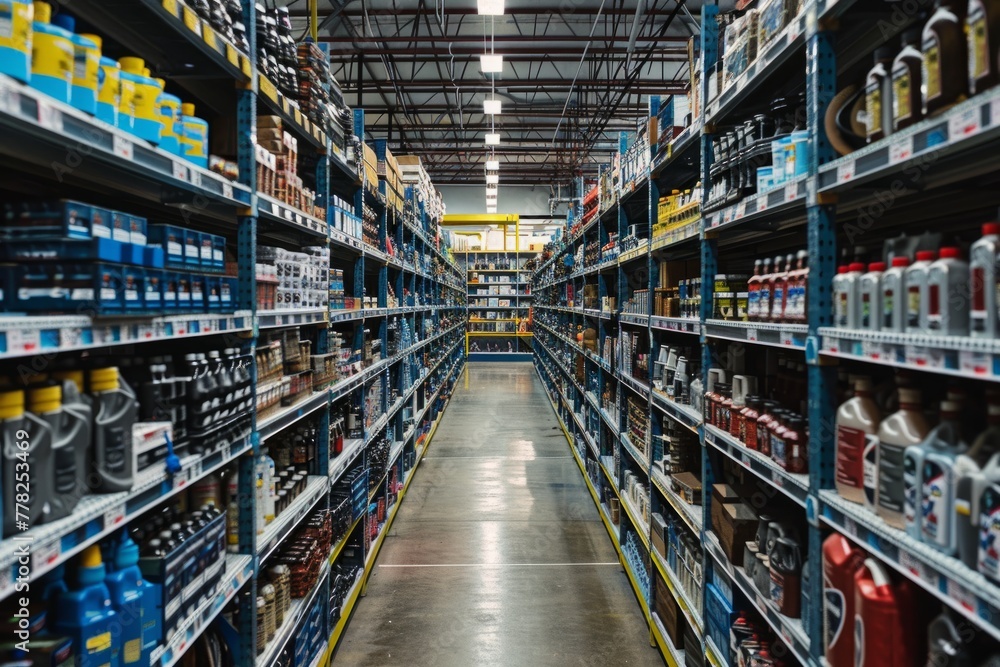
85	613
125	586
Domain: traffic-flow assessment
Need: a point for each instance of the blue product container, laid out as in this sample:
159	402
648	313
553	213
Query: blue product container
192	248
171	239
133	288
15	42
86	65
85	614
52	219
72	287
170	117
801	149
218	252
109	90
125	586
51	56
145	95
227	294
170	283
137	230
27	250
213	293
194	142
153	290
152	257
199	303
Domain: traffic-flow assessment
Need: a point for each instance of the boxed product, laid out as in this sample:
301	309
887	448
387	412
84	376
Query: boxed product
58	219
74	287
674	622
171	239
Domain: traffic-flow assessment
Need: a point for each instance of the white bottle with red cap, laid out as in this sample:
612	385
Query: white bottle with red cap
983	282
840	298
894	296
917	299
852	289
871	297
948	294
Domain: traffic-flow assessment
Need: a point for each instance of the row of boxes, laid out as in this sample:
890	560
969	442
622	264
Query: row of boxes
188	248
68	219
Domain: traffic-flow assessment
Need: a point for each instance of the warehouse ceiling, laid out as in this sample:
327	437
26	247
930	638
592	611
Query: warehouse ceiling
575	74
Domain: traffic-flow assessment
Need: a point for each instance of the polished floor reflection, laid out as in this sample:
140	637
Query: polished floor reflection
498	555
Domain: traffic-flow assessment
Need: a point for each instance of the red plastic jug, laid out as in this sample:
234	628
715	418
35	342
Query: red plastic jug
883	632
841	561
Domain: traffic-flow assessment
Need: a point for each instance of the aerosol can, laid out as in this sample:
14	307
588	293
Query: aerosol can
115	408
69	417
972	476
883	634
27	463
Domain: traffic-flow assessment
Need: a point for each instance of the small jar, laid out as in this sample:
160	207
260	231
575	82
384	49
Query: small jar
763	424
726	412
796	446
748	422
778	429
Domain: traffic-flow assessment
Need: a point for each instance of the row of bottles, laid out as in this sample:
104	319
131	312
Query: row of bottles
497	262
777	290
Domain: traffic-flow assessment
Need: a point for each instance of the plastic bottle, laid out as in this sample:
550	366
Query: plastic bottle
929	482
69	418
898	431
85	613
169	109
766	276
743	387
126	98
26	439
945	645
871	297
796	447
108	87
778	288
948	292
983	283
786	577
15	42
917	298
883	632
146	120
893	299
907	104
971	479
982	23
945	69
841	561
194	142
753	292
795	301
86	65
878	92
852	292
125	586
51	55
115	409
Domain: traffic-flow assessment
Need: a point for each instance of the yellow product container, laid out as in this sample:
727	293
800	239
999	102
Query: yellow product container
146	120
194	141
109	91
86	60
52	55
15	41
170	116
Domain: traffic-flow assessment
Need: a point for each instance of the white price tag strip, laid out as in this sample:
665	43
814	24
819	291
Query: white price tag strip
43	555
962	596
976	363
227	190
49	117
180	171
900	150
850	526
114	516
195	178
752	335
912	565
761	203
965	124
995	113
791	192
23	340
845	172
122	147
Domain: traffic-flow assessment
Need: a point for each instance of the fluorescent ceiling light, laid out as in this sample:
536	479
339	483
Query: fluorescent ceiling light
492	179
490	7
491	63
491	209
491	107
492	188
492	165
492	138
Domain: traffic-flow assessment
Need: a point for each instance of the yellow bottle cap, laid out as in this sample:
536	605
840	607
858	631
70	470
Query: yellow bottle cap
44	399
11	404
43	12
96	39
75	376
104	379
187	109
146	72
91	557
161	83
132	65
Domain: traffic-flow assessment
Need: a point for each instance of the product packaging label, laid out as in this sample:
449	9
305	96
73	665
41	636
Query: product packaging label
873	107
890	478
834	608
913	306
910	491
931	67
888	305
935	525
989	533
850	447
901	85
979	53
870	469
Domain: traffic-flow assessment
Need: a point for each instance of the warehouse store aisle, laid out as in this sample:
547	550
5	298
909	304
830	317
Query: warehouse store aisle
498	555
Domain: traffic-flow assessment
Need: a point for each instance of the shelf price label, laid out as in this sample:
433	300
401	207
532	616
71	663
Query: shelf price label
900	149
974	362
962	596
114	516
45	555
761	203
995	113
965	124
752	335
209	37
227	190
122	147
196	178
180	171
232	56
24	340
791	192
845	172
913	566
170	6
192	21
49	117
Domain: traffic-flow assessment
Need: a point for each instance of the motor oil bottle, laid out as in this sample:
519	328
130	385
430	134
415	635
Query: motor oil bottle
945	69
852	293
108	87
883	634
893	299
27	463
786	577
840	298
51	55
915	278
795	302
945	645
898	431
753	292
145	100
85	613
125	588
115	408
857	433
972	476
169	108
983	284
878	92
764	298
15	41
948	290
928	481
194	141
70	420
841	561
982	28
778	289
86	65
871	297
907	103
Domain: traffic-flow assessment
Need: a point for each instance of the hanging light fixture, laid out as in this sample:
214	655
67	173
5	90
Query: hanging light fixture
491	63
491	209
492	165
492	179
492	138
490	7
491	107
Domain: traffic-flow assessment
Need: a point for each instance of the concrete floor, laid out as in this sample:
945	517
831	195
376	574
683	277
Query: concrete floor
497	555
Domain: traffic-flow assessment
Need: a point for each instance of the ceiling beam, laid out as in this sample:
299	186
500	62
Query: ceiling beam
499	40
472	11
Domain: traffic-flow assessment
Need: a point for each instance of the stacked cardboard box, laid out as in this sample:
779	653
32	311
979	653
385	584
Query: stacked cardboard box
371	167
413	174
277	167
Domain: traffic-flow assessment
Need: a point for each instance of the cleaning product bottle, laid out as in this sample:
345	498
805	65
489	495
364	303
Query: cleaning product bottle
194	142
915	278
948	290
841	561
883	634
945	70
109	87
126	98
125	588
86	64
146	120
945	645
115	408
69	417
786	577
971	478
871	297
857	428
85	613
982	23
15	41
852	293
898	431
983	282
894	296
878	110
907	103
51	56
27	440
753	292
928	481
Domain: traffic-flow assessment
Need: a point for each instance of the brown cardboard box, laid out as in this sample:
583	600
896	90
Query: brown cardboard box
660	534
674	622
738	525
721	494
688	487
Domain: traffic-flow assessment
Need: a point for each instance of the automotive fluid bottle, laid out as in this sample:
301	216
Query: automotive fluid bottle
882	611
764	298
786	577
917	298
871	297
945	645
988	557
115	408
109	87
878	110
753	292
169	110
145	100
982	27
70	422
852	292
898	431
194	141
15	41
893	299
907	103
857	429
928	480
779	292
51	55
795	302
972	476
841	560
125	586
85	613
983	283
27	463
86	64
840	298
948	293
945	69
